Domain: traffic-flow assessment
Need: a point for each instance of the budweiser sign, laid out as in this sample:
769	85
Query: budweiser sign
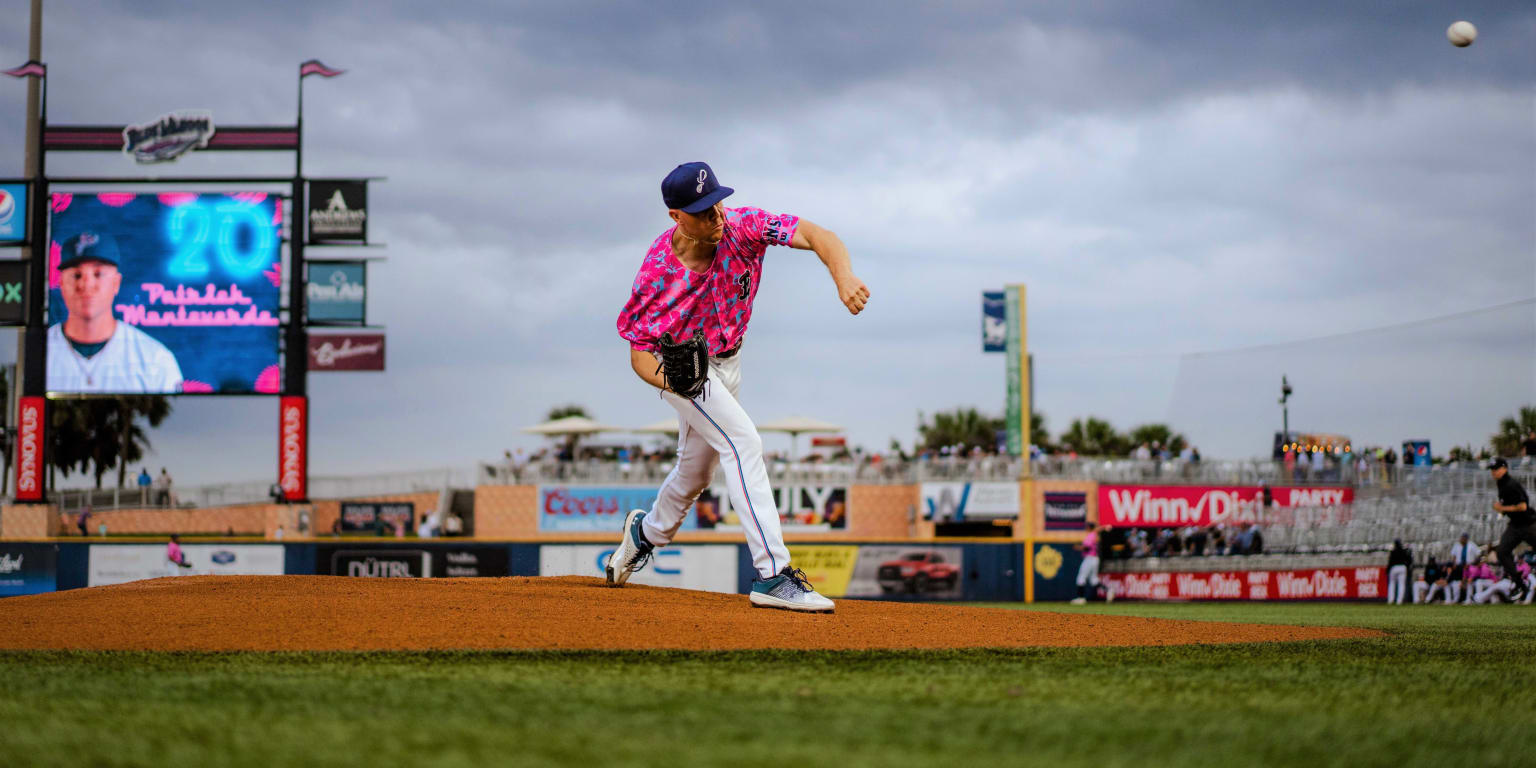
346	352
292	448
1308	584
29	448
1158	506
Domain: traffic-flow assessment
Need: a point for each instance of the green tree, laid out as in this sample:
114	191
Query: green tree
962	426
1038	434
1512	431
98	435
1094	437
1162	434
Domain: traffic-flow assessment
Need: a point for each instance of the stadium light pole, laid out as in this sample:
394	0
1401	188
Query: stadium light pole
1285	410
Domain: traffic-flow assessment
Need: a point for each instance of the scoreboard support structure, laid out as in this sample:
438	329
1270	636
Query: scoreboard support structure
32	410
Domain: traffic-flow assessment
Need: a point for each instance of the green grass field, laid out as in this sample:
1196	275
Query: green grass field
1452	686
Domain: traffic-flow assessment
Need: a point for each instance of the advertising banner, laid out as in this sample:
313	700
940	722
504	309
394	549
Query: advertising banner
28	569
801	508
338	210
336	292
164	293
1055	566
293	447
426	561
13	292
1309	584
377	517
376	563
912	572
829	567
31	416
1157	506
707	567
119	563
13	213
922	572
994	321
466	562
574	508
958	502
346	352
1066	510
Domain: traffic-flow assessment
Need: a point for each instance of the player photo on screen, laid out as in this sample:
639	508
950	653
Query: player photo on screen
164	293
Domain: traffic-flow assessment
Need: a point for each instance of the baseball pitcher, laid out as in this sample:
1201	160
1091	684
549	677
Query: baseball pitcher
686	316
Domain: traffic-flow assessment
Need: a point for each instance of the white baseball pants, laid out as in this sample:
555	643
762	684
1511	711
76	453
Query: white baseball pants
1088	572
714	426
1422	587
1397	584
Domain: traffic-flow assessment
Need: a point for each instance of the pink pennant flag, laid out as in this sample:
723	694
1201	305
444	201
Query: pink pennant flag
314	67
29	69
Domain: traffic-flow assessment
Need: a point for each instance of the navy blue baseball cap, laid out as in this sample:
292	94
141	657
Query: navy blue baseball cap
88	246
693	188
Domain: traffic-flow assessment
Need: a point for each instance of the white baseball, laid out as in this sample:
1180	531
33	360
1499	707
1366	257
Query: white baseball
1461	34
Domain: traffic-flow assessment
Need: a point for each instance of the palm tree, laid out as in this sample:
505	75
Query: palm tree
1512	431
1094	437
98	434
562	411
962	426
1162	434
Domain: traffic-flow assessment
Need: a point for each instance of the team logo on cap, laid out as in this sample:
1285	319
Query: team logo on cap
85	241
703	174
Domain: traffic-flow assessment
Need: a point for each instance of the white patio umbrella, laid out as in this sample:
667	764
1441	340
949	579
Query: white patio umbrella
571	425
663	427
797	426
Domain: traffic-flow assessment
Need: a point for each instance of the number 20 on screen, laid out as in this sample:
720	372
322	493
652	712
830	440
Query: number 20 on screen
197	228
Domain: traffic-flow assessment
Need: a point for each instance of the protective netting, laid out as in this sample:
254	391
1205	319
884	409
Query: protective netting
1448	379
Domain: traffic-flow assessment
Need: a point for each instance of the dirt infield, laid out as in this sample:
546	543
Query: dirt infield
315	613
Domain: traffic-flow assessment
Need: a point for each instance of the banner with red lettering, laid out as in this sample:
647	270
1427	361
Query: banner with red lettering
1159	506
293	447
31	422
1367	583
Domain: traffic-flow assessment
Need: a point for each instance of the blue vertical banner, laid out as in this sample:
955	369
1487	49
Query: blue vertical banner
13	213
337	292
994	321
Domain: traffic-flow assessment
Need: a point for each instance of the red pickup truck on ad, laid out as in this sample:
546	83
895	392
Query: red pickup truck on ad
918	572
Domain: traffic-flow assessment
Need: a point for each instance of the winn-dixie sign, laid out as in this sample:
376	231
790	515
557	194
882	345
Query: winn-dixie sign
1156	506
1312	584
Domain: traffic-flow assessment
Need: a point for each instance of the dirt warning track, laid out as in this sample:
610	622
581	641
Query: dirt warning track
323	613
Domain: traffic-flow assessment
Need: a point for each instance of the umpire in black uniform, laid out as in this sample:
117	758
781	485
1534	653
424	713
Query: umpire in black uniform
1522	524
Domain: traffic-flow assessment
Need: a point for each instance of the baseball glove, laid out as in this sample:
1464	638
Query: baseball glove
684	364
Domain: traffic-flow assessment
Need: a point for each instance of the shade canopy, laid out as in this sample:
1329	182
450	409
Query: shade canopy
796	425
663	427
571	425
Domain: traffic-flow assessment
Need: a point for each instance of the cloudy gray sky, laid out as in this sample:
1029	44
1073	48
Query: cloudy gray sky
1171	181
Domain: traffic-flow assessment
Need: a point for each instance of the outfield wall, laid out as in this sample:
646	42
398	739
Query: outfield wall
973	571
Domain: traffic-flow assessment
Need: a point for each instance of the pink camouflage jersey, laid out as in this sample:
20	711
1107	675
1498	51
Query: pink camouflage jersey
668	296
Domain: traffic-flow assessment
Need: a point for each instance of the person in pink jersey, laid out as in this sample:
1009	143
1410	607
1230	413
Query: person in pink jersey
175	559
1088	572
702	275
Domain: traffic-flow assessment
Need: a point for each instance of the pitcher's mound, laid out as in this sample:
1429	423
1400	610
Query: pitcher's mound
322	613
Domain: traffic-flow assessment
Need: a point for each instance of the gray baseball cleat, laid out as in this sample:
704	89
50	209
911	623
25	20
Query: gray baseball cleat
632	553
790	590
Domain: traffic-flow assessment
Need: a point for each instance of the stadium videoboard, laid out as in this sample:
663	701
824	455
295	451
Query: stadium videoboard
164	293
